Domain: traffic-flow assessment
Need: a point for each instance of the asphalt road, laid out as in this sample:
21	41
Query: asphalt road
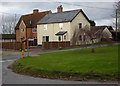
9	77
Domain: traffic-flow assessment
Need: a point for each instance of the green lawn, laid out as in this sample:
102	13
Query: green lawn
102	64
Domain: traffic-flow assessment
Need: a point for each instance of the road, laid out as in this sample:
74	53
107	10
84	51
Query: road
9	77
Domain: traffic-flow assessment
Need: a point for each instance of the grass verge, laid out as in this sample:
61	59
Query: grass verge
72	65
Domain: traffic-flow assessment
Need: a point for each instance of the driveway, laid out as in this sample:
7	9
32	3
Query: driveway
9	77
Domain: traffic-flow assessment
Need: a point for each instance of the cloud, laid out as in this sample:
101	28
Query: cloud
101	16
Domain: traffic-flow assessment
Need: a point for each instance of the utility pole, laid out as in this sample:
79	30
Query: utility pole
15	23
116	24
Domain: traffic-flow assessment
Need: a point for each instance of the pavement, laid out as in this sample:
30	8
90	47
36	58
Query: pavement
9	77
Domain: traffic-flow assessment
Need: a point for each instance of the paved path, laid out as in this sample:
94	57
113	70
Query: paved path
10	77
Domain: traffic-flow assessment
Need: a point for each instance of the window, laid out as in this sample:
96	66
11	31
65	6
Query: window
84	37
45	38
34	30
80	25
59	38
60	25
22	30
35	37
64	37
80	37
45	27
22	38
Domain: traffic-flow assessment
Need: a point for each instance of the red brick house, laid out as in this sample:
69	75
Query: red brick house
27	26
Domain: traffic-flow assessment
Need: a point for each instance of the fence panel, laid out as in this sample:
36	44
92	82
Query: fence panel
13	45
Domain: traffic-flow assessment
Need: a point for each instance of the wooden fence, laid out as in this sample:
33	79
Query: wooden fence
54	45
13	45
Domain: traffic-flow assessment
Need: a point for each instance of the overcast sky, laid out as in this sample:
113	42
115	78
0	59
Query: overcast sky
101	16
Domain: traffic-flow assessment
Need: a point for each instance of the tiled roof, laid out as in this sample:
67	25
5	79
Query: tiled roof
65	16
8	36
102	27
33	18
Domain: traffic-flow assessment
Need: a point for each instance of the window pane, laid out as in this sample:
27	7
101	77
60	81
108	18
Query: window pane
64	37
45	27
60	25
80	25
22	30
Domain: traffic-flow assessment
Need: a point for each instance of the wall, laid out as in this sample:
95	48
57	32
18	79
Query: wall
52	29
75	23
55	45
20	34
108	32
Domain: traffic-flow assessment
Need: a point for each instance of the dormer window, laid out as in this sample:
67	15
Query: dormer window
34	30
61	25
45	27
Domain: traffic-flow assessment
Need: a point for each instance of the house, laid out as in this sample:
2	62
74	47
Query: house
60	26
8	37
27	26
106	29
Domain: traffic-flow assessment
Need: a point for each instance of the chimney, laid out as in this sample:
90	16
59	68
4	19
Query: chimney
35	11
60	9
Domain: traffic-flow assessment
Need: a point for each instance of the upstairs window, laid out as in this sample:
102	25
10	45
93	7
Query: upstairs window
22	30
80	25
45	27
34	30
60	25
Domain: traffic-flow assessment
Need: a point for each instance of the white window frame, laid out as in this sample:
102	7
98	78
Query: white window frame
34	30
45	27
22	30
61	25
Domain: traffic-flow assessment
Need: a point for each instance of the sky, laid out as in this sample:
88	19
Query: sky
98	10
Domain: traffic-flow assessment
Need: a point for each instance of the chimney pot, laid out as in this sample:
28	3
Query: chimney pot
35	11
60	9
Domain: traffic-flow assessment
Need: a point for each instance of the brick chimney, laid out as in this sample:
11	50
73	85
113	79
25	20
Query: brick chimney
60	9
35	11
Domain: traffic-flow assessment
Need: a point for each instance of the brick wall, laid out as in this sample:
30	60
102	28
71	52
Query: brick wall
55	45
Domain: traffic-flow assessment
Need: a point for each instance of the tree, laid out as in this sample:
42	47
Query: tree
92	23
8	23
88	34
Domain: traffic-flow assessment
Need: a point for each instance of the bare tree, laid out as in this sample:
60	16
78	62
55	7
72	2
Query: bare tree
90	35
8	23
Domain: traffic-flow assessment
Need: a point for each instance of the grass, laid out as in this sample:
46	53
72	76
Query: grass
74	64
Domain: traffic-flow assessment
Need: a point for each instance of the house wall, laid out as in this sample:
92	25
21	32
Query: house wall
52	29
108	32
20	34
75	25
78	19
